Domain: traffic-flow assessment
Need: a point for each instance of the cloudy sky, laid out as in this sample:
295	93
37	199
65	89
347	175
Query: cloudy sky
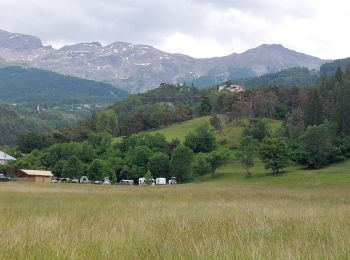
200	28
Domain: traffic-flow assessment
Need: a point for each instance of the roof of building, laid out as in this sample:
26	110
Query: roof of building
6	157
37	173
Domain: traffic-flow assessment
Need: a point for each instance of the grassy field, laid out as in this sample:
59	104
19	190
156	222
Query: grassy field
334	175
300	214
180	130
68	221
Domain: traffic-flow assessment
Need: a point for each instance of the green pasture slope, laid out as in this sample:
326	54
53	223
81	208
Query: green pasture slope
180	130
233	173
295	175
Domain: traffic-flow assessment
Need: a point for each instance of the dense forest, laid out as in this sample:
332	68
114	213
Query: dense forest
28	85
300	77
38	100
176	103
293	77
12	125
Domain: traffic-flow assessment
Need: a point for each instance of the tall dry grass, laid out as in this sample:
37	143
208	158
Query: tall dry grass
181	222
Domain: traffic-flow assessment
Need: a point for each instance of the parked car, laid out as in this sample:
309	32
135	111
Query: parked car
97	182
54	180
74	181
142	181
127	182
172	181
106	181
161	181
84	180
4	178
64	180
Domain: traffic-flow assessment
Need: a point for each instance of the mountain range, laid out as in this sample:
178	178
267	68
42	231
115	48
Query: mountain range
138	68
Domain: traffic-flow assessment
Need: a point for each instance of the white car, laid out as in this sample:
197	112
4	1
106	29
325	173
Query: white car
172	181
161	181
84	180
74	181
142	181
106	181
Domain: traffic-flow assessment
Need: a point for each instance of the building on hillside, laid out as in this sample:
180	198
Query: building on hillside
236	88
232	88
222	88
5	158
38	176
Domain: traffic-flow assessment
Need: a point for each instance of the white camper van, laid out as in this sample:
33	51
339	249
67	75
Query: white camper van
142	181
84	180
161	181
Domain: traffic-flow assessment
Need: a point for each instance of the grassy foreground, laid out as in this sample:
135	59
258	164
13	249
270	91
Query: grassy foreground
178	222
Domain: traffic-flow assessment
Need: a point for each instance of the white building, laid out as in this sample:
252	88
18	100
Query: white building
236	88
5	158
232	88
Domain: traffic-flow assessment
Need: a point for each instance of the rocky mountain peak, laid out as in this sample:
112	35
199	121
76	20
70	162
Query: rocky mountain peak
19	42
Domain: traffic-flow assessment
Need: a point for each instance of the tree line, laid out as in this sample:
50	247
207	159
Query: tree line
131	158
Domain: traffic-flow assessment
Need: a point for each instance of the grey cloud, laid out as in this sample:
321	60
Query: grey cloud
153	21
108	21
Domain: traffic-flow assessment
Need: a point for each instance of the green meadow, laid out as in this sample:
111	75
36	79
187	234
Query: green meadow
299	214
195	221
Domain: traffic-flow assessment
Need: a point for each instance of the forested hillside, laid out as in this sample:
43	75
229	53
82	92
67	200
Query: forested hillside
300	77
38	100
13	125
330	68
28	85
175	103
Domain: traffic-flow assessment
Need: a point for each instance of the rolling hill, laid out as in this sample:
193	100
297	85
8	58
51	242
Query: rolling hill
12	125
301	77
234	173
28	85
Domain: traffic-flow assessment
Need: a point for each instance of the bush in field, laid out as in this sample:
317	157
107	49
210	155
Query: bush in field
201	164
274	153
148	177
315	146
201	140
158	164
181	162
258	129
247	151
205	163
